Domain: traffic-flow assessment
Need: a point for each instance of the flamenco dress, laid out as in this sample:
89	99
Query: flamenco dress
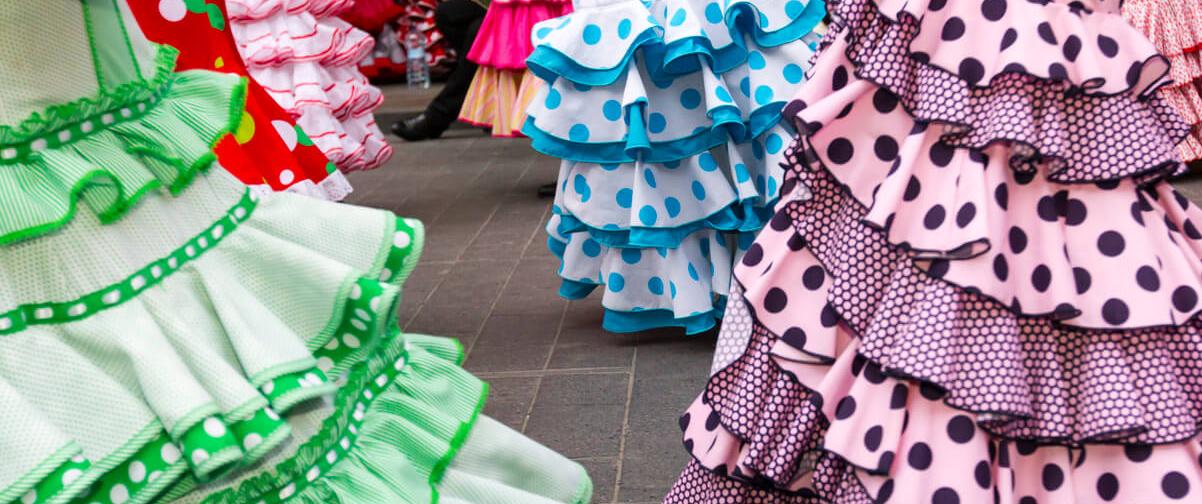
988	294
667	116
267	151
1175	27
502	88
166	334
307	59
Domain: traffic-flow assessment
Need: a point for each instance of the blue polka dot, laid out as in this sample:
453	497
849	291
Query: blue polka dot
794	8
707	162
672	165
761	183
705	248
678	18
662	251
592	34
553	100
583	88
610	166
690	99
624	29
698	190
578	133
693	273
755	60
757	150
624	198
649	176
543	32
616	282
763	95
741	173
612	110
672	205
672	289
657	123
713	13
771	186
745	86
656	286
648	215
580	184
793	73
774	143
566	20
632	256
591	248
723	94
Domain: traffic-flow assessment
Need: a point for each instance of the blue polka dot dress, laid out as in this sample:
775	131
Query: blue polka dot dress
667	115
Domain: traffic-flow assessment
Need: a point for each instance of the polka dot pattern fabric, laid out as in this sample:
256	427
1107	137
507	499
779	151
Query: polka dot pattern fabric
672	143
1175	26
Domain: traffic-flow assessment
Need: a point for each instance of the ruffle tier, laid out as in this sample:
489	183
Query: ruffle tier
503	42
110	151
497	99
293	37
1176	29
249	10
1050	122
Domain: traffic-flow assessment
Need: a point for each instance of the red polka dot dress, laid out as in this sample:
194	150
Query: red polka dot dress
268	151
990	295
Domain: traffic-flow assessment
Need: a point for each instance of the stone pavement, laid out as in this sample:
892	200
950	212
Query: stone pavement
610	401
486	277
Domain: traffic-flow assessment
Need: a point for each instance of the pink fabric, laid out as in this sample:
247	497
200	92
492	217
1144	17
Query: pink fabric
504	38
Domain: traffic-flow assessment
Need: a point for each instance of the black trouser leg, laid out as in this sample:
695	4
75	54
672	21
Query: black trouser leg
459	21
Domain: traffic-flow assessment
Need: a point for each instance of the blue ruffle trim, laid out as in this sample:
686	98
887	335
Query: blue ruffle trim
747	216
645	320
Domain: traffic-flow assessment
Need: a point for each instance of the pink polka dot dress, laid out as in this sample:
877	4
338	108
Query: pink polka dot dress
977	286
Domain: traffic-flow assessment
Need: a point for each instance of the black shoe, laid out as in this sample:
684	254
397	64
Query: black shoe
416	129
546	191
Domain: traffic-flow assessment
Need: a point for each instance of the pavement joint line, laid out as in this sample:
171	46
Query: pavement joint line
634	360
539	373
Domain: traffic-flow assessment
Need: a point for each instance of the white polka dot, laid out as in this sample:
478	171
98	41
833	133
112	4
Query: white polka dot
356	291
312	379
218	232
190	250
251	441
141	107
172	10
269	387
332	345
86	126
240	213
385	275
126	112
107	119
199	456
30	497
154	476
137	471
64	136
78	459
77	310
325	364
271	413
401	239
70	476
313	474
358	415
169	453
331	456
345	443
287	133
9	153
413	223
399	364
203	242
111	297
382	380
368	395
287	177
351	340
288	491
38	145
358	324
214	427
172	262
119	494
138	282
353	429
361	313
43	313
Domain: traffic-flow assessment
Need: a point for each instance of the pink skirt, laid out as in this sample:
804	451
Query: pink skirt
504	39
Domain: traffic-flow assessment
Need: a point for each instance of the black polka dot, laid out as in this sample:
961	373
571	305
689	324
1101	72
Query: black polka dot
1046	33
1184	298
1191	230
1072	48
840	151
872	438
1083	280
1014	68
941	154
953	29
839	78
993	10
1025	447
1175	485
1137	452
919	456
897	400
884	101
913	188
775	300
1109	46
1052	477
1001	269
885	148
1057	71
1137	213
813	277
965	215
796	242
1041	278
934	217
939	268
1018	240
846	408
1001	194
1027	500
945	495
1147	278
1008	39
1047	209
829	316
960	429
1134	73
885	463
885	492
972	71
794	337
1024	177
684	421
874	374
754	255
1108	487
857	364
1115	311
983	474
781	220
712	421
936	5
1111	243
930	391
1075	212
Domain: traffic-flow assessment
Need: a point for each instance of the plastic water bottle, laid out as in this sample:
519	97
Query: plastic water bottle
417	69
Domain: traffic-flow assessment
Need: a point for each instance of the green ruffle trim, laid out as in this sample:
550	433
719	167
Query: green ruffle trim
112	149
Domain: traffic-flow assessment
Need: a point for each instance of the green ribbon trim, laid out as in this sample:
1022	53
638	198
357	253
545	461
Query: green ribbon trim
49	313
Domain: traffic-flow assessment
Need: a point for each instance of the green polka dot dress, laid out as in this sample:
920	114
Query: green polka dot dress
166	335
